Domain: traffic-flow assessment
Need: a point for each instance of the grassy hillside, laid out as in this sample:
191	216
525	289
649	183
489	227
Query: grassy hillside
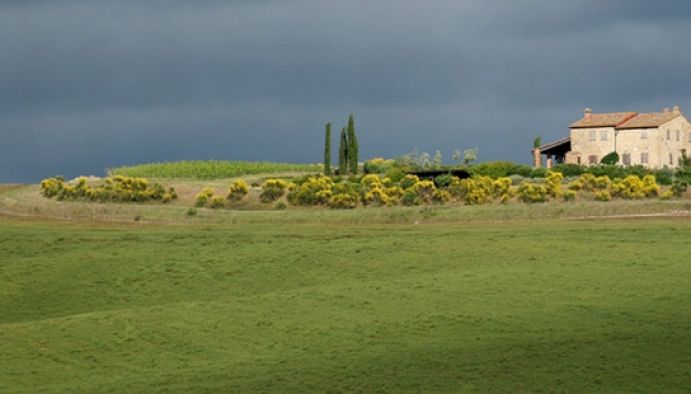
508	306
210	169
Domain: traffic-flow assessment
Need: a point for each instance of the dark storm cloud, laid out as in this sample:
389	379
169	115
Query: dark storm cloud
90	84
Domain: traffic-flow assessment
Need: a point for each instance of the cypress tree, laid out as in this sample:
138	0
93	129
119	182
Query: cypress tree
352	145
327	149
343	153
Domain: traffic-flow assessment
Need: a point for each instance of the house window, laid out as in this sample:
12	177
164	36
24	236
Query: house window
592	159
678	135
669	134
689	136
603	135
644	157
626	159
671	160
644	134
592	135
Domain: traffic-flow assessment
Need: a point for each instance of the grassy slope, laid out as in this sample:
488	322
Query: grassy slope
554	305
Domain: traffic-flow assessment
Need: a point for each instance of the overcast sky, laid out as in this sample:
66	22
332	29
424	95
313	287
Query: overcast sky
86	85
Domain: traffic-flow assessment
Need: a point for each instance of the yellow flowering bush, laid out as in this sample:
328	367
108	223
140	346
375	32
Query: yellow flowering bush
569	195
603	195
376	196
667	195
576	185
441	196
587	181
424	190
238	190
478	190
117	189
342	201
532	192
650	186
273	189
553	183
50	187
633	187
371	181
315	190
217	202
502	186
602	182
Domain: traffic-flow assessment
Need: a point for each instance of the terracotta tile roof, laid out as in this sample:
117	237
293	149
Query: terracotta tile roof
611	119
653	119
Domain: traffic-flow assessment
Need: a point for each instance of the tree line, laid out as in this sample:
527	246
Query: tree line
348	149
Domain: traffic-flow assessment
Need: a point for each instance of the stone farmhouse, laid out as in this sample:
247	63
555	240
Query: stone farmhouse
654	140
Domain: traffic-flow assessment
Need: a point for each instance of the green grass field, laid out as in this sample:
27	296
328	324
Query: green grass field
552	305
210	169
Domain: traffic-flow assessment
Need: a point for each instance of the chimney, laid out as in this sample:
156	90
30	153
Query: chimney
676	110
665	110
587	113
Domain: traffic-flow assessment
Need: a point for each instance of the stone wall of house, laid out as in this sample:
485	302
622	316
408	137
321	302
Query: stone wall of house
583	146
660	144
633	145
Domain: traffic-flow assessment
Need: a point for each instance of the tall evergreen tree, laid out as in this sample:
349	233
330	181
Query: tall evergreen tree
352	145
343	153
327	149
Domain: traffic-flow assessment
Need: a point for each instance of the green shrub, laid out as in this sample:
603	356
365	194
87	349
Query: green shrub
499	169
443	180
610	158
280	206
410	198
408	181
570	170
395	174
378	165
273	189
191	212
664	176
538	173
678	188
